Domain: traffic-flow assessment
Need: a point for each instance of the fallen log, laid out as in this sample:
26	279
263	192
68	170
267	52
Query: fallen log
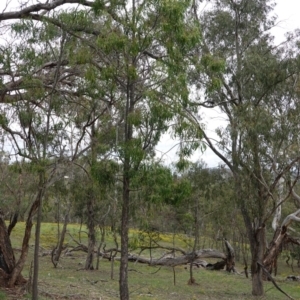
179	260
173	261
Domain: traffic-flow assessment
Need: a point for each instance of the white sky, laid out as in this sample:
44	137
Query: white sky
288	12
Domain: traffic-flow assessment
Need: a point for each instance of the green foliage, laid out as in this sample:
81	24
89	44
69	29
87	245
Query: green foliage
98	6
2	296
116	42
90	74
23	27
213	63
158	109
180	37
161	187
182	164
181	191
82	56
25	118
3	120
75	18
49	32
157	182
104	172
135	118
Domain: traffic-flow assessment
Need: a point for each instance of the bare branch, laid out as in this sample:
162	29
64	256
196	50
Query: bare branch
292	217
25	12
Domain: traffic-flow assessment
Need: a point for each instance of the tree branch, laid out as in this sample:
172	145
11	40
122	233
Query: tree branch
25	12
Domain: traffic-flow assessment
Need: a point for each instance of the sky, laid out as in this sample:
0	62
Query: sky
288	12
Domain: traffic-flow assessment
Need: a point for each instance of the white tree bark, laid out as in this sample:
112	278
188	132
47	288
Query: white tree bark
294	216
291	217
296	197
277	215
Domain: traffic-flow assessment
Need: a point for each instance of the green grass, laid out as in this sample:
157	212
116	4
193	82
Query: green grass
2	296
69	281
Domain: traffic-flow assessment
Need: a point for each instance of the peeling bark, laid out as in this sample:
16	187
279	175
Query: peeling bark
270	258
280	237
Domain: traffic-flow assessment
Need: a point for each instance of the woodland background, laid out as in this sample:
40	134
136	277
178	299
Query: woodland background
90	88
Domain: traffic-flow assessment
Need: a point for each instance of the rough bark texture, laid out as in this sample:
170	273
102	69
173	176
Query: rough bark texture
127	170
37	244
7	258
123	281
10	272
13	222
91	236
257	256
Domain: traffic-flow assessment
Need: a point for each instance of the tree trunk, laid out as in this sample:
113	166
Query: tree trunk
7	258
102	241
124	293
258	251
271	255
37	246
57	252
25	245
127	169
13	222
230	259
10	269
91	235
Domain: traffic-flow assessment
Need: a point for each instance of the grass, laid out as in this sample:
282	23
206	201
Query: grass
2	296
69	281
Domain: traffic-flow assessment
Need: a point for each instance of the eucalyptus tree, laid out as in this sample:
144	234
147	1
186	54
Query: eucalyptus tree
148	58
257	94
135	54
22	119
38	96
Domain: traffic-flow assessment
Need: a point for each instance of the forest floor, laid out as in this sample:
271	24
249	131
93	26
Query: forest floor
70	281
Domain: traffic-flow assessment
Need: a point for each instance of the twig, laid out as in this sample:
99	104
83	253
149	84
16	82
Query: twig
156	271
135	271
